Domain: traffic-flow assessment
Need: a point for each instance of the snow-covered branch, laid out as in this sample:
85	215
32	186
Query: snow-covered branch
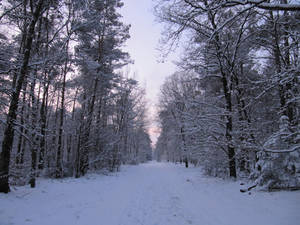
263	4
292	149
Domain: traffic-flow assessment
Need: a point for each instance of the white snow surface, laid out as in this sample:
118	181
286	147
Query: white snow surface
148	194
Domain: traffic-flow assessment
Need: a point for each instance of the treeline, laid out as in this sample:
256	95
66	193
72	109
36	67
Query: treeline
65	107
234	104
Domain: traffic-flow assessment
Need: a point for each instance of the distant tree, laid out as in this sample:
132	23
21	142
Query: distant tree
101	35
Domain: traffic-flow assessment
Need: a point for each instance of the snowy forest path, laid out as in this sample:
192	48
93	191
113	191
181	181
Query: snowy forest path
147	194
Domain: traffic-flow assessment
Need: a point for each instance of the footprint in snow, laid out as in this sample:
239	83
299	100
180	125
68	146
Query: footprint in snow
189	222
175	198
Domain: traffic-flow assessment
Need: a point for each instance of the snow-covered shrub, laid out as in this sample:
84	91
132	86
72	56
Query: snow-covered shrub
277	170
278	165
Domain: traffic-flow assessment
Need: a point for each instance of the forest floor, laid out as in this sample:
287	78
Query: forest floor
148	194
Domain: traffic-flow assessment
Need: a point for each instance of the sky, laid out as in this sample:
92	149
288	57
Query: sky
143	45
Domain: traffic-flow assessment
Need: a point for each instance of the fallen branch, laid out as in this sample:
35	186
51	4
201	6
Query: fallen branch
248	189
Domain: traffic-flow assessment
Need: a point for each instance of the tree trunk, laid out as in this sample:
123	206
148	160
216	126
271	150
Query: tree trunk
78	153
83	160
186	160
59	155
33	132
20	149
43	122
228	134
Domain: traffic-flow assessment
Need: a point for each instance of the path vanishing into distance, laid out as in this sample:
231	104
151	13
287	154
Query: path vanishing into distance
147	194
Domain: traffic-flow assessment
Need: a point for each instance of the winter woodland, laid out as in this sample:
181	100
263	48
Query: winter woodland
68	108
233	105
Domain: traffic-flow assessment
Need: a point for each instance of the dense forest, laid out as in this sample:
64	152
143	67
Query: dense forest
233	106
66	104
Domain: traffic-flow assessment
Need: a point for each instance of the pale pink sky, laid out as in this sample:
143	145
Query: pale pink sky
142	46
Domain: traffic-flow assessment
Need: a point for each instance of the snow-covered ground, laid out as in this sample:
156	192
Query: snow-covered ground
148	194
